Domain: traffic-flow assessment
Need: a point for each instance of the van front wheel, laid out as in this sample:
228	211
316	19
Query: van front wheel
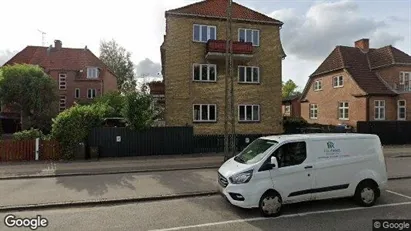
366	194
270	204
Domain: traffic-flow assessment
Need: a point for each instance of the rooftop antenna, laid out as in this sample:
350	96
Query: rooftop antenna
43	34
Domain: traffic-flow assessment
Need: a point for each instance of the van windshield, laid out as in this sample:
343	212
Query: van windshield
255	151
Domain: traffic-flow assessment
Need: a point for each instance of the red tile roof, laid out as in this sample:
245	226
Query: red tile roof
62	59
217	9
361	65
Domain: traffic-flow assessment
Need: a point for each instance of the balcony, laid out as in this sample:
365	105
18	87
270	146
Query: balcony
216	49
401	88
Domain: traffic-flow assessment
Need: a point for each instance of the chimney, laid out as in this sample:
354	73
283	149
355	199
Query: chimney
363	44
58	44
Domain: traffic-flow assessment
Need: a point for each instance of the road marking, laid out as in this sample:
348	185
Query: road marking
283	216
399	194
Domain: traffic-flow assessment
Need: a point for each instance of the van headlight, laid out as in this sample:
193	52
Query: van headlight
242	178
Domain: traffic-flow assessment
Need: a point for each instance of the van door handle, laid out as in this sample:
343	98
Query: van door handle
307	167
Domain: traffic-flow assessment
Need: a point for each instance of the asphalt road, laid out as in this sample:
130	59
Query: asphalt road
214	213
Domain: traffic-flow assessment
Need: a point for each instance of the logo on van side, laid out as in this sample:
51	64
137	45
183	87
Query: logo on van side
331	148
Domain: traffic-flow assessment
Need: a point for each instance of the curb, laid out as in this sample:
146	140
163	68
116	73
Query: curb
105	202
106	173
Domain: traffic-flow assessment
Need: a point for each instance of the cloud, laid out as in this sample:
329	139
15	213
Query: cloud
148	68
6	55
313	36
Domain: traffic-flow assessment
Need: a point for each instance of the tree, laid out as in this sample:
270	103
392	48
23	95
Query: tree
139	110
31	91
118	59
114	100
289	88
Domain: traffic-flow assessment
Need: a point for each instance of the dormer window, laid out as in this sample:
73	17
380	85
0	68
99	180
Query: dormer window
92	73
404	77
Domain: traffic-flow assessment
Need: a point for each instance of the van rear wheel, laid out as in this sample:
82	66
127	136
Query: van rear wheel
270	204
366	194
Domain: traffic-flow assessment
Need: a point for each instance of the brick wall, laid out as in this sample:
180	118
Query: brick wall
328	98
181	92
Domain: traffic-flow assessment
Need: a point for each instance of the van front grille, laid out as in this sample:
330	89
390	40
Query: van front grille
222	180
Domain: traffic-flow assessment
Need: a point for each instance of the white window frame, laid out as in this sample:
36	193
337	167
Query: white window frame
313	110
401	107
377	105
340	81
252	113
201	31
287	109
252	35
343	106
92	72
91	90
245	74
75	93
201	72
208	113
63	100
403	80
62	81
318	85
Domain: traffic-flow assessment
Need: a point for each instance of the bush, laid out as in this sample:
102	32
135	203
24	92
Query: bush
295	121
72	126
28	134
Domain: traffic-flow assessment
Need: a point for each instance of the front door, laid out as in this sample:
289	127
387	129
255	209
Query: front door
294	175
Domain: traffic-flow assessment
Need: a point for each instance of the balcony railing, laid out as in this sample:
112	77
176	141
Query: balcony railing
219	46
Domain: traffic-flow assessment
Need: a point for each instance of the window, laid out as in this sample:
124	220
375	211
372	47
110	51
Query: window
92	72
249	35
287	109
291	154
405	78
338	81
379	109
313	111
248	74
62	103
203	33
249	113
317	85
77	93
402	110
205	72
253	152
205	113
91	93
343	110
62	81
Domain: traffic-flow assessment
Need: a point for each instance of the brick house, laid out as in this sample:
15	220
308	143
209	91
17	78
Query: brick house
158	93
80	75
291	106
359	84
193	61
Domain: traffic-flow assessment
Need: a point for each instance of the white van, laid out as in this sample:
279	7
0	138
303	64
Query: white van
277	170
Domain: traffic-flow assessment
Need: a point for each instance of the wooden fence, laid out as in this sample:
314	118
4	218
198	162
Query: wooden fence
25	150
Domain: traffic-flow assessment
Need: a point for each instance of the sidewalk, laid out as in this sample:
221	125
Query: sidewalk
140	164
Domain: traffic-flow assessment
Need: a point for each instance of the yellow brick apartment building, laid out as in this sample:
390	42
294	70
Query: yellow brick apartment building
193	68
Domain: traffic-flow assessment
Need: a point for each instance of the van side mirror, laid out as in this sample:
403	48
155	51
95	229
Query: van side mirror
274	162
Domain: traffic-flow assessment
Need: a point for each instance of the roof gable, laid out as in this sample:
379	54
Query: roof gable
217	9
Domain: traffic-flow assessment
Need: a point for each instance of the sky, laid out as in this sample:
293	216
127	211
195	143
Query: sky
310	32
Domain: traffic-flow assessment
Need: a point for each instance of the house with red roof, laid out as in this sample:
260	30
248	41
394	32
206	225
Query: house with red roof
193	58
81	76
359	83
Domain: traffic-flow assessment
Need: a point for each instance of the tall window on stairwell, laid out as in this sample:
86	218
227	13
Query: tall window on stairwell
343	110
313	111
405	81
379	109
62	81
401	110
62	103
203	33
249	35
